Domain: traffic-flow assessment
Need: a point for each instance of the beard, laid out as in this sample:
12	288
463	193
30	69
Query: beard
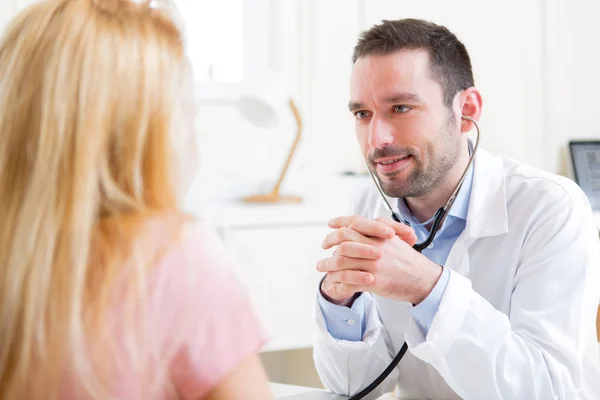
422	179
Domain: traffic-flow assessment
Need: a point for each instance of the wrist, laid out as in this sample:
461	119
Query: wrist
431	276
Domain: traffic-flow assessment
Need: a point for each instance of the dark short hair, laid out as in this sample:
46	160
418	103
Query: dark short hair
449	60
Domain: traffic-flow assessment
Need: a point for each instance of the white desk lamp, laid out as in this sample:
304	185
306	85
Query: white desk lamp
263	107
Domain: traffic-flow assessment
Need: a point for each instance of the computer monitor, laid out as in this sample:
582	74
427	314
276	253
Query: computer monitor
585	156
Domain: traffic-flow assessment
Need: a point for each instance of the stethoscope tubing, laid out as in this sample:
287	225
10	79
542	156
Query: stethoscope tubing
438	219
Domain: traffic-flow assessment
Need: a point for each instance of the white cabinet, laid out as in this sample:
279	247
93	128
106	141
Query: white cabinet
277	266
275	249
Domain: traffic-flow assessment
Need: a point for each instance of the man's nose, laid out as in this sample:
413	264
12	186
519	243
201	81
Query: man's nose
381	133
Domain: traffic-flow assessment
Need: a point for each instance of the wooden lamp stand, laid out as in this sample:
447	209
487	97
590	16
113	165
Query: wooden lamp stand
275	196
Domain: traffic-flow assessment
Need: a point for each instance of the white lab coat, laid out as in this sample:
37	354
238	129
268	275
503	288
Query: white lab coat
517	319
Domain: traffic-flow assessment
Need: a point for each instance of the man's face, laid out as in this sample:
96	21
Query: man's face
408	136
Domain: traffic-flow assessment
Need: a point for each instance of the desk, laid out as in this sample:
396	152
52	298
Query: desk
598	324
290	392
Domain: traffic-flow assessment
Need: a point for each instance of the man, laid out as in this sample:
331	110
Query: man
502	303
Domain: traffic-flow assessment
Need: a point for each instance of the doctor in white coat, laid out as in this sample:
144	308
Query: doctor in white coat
502	304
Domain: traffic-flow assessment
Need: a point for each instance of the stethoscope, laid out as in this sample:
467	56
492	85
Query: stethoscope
438	218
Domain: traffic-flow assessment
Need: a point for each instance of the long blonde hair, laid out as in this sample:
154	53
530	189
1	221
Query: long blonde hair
91	94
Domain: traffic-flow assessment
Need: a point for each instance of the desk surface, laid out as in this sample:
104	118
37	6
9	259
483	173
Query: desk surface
598	324
290	392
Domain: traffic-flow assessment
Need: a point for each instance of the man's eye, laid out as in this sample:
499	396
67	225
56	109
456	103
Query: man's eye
361	114
401	109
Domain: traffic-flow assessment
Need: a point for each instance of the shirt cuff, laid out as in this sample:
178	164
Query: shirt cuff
342	322
425	311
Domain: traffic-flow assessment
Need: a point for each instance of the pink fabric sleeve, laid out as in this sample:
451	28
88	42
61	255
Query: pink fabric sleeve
221	327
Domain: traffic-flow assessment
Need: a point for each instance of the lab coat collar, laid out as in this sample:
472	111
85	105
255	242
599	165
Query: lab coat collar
487	214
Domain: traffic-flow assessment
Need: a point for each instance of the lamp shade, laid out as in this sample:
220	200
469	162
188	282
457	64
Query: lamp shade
265	102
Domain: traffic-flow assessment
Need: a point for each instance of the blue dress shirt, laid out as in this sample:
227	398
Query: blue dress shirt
348	323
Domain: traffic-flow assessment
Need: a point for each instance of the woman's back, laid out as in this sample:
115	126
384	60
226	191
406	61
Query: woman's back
197	319
106	289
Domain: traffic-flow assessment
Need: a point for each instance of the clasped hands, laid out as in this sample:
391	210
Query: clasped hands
375	256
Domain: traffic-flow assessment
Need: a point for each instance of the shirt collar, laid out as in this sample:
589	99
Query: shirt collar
459	209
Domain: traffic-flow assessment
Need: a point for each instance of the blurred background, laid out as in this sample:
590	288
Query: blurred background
536	63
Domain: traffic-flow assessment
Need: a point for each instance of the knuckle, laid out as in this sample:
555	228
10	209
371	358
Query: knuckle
343	289
329	282
364	278
382	223
339	261
354	223
337	289
343	248
375	242
343	233
375	252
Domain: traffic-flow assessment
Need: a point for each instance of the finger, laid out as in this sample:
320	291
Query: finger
340	294
368	227
344	234
343	290
351	277
337	291
372	228
342	221
339	263
405	232
358	250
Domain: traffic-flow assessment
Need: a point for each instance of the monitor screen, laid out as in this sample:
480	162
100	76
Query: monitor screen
586	167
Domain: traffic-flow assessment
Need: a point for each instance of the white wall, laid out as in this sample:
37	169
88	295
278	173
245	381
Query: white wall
505	50
536	62
6	11
572	70
20	4
8	8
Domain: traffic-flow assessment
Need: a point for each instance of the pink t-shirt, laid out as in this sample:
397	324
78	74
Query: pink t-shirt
198	309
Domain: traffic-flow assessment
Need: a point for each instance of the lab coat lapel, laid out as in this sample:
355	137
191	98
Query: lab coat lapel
487	214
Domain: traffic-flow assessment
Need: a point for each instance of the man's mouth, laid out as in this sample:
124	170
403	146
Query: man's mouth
392	164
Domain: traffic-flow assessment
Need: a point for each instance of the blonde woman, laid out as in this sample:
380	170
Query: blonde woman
107	291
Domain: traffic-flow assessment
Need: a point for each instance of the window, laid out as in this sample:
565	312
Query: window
215	32
227	44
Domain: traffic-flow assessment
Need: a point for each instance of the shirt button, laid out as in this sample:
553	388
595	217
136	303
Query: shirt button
350	322
430	246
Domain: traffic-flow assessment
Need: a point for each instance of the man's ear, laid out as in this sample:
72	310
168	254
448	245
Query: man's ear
470	106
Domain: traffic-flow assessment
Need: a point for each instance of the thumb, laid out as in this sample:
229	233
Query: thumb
405	232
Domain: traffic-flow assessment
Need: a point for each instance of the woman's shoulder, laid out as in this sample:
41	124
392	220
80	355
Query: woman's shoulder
193	277
201	307
185	241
